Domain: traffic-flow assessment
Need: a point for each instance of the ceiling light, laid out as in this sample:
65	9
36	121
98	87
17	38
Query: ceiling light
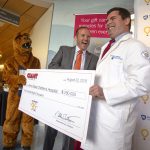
9	17
0	54
1	67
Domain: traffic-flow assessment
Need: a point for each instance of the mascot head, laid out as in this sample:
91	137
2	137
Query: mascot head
22	44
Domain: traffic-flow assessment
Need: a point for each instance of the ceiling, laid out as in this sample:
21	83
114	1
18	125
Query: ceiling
29	15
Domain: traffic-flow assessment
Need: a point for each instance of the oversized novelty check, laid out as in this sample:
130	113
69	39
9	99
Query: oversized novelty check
60	99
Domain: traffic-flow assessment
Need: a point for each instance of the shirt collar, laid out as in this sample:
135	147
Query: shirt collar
77	49
121	35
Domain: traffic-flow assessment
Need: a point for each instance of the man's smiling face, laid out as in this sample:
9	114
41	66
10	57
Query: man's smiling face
116	25
83	38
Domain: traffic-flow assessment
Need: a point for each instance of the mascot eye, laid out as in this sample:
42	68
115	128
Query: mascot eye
26	38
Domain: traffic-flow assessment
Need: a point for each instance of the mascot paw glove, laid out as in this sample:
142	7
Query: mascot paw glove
21	80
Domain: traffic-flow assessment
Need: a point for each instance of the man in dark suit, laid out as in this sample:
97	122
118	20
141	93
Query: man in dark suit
66	59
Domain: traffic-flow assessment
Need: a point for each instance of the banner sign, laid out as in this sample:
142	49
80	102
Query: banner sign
95	22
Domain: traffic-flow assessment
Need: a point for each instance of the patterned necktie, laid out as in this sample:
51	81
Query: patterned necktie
77	64
107	47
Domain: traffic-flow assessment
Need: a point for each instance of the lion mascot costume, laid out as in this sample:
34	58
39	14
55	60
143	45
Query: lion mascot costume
21	60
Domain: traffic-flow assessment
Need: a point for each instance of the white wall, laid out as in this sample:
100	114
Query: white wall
63	19
40	37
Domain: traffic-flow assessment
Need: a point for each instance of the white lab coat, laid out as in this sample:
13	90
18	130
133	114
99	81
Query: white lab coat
124	75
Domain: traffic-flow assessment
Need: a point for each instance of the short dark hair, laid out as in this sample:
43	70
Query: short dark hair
82	27
124	13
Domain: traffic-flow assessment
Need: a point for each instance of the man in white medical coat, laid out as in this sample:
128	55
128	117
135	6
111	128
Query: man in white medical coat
122	75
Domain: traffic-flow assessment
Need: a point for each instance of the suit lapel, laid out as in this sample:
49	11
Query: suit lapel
87	60
71	57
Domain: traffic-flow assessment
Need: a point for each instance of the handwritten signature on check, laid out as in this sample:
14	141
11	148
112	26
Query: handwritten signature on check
65	117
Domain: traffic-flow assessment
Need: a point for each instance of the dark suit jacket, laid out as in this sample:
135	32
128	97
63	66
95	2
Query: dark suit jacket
65	56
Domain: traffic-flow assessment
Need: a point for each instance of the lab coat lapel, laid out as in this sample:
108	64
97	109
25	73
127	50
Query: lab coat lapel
114	47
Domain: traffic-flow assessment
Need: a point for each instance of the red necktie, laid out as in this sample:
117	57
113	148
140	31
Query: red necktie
77	145
77	64
108	47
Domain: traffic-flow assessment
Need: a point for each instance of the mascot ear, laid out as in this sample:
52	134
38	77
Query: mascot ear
16	39
17	36
26	34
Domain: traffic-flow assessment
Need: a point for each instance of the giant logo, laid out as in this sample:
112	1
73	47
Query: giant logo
32	76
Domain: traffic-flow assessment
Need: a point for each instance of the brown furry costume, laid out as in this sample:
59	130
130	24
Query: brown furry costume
22	59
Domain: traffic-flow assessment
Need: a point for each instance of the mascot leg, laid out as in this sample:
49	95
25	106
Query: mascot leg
12	123
27	130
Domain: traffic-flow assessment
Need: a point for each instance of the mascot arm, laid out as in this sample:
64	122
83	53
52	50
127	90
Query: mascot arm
36	64
21	80
11	76
39	64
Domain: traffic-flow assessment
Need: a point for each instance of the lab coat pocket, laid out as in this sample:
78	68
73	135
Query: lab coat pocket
111	118
116	71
